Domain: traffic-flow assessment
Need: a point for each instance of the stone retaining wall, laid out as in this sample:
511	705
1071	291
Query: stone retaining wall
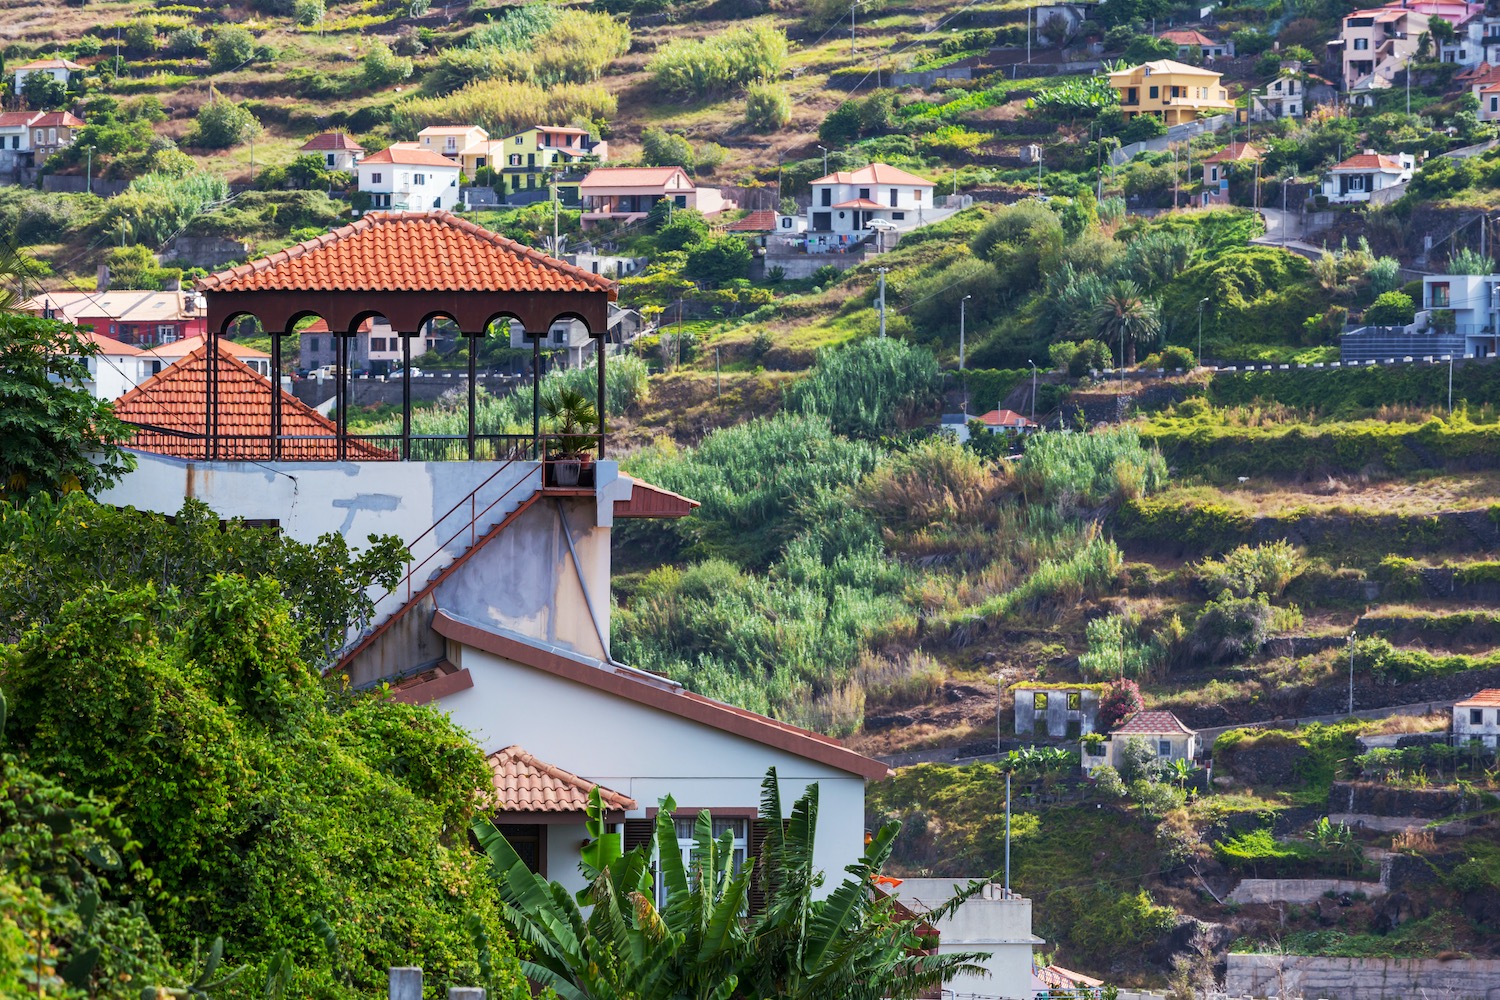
1362	978
1298	890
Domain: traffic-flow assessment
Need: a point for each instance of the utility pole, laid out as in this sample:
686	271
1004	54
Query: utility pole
882	301
88	173
1176	201
1007	834
825	160
1039	173
1351	672
851	26
962	310
1028	34
718	382
1033	389
1201	304
1450	384
555	248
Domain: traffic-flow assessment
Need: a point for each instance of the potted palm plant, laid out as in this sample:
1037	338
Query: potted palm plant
574	421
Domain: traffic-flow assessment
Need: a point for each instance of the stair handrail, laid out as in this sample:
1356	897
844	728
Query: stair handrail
474	515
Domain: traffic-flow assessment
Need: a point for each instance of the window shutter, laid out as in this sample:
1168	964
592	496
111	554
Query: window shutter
757	894
638	833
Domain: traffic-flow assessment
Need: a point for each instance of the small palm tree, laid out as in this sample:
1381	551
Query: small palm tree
1126	317
573	417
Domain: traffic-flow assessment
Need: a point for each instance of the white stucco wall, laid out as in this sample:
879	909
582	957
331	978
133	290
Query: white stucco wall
647	753
990	922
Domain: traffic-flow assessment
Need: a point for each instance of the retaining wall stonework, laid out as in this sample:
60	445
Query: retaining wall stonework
1298	890
1362	978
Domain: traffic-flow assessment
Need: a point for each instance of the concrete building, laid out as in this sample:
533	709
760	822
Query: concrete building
27	138
534	163
1478	718
1162	731
1216	170
1173	91
61	70
375	348
1376	43
114	370
1283	97
450	140
848	205
1007	422
138	318
996	921
1059	712
154	359
405	177
627	194
1362	176
338	150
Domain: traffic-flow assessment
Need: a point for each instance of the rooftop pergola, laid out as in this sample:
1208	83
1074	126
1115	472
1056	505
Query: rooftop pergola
409	268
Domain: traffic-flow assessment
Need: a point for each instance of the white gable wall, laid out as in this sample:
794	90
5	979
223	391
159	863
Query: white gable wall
645	753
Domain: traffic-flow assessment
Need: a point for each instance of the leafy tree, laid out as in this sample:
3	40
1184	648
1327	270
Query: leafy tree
718	259
660	148
1126	318
308	12
1391	309
842	125
1138	761
688	226
221	124
381	67
56	436
853	944
140	36
43	92
185	42
1119	701
1145	48
231	47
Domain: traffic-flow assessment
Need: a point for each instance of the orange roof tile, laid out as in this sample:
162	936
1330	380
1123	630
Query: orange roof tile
645	177
14	119
170	411
58	119
1186	36
187	345
331	141
1005	418
1488	698
1370	161
1152	724
410	156
1235	151
408	252
525	784
875	173
47	64
108	345
762	220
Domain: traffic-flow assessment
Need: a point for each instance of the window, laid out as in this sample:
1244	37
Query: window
893	198
1476	716
1155	92
375	178
312	345
1132	96
1164	748
1214	173
1075	701
166	333
328	159
687	843
898	216
680	201
916	195
826	194
1440	299
419	179
479	163
1361	44
520	140
515	159
1039	701
377	343
530	844
864	193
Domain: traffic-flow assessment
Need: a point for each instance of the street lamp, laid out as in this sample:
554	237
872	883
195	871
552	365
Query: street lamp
1201	304
825	160
962	315
1033	389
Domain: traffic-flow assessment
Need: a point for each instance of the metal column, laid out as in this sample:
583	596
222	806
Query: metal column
275	396
405	398
600	343
536	394
341	397
474	341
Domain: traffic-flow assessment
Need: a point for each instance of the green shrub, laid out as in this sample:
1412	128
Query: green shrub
1091	469
870	389
768	107
1268	568
1107	781
381	67
740	56
230	48
660	148
221	124
1391	309
308	12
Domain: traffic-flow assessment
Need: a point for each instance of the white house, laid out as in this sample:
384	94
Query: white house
60	70
115	369
1162	731
374	347
405	177
1478	718
1283	97
1188	39
996	921
338	150
1364	174
845	203
1063	712
627	194
154	359
568	336
1007	422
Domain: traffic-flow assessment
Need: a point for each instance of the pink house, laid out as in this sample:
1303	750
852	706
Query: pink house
625	194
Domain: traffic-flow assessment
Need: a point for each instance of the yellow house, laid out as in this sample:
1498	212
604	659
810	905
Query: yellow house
1175	91
527	161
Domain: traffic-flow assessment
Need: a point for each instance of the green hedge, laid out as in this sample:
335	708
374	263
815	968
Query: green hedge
988	386
1186	525
1348	391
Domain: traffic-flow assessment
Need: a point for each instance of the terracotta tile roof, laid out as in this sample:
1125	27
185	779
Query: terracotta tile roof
13	119
875	173
1371	161
1186	36
1167	66
1005	418
1488	698
450	129
565	129
47	64
409	156
762	220
642	177
108	345
331	141
130	305
1235	151
171	413
187	345
58	119
408	252
859	203
1152	724
525	784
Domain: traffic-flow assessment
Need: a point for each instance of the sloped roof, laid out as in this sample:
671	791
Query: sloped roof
330	141
408	252
762	220
47	64
524	783
1152	724
1371	161
644	177
1006	418
14	119
108	345
131	305
408	156
662	695
1167	66
875	173
170	410
187	345
450	129
1488	698
1235	151
1186	36
58	119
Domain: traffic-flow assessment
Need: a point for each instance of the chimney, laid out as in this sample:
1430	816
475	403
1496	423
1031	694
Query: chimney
101	281
172	284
